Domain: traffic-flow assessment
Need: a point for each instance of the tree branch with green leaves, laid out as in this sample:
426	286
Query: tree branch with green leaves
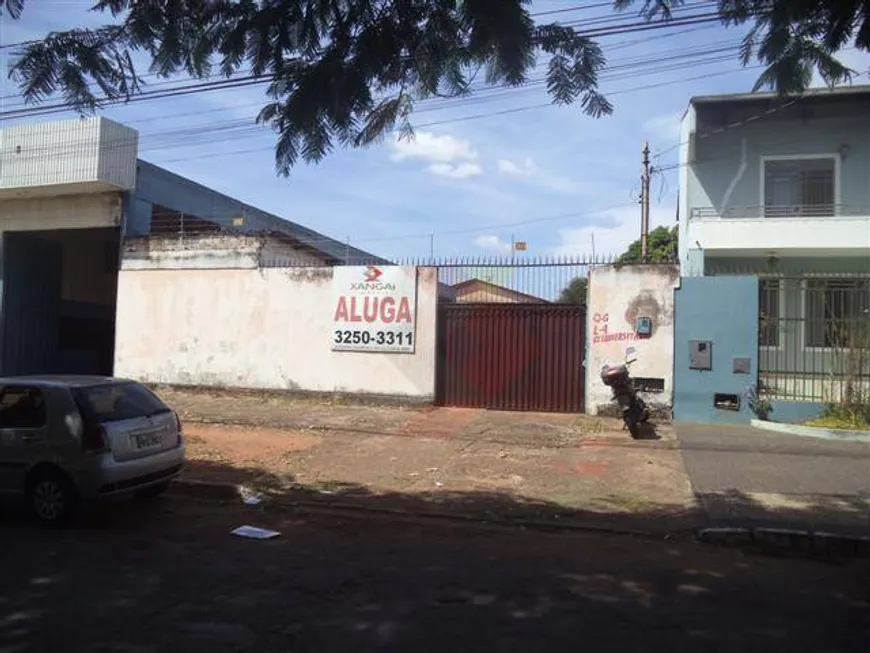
345	73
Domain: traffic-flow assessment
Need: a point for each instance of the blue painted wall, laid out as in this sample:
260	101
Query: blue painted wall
723	310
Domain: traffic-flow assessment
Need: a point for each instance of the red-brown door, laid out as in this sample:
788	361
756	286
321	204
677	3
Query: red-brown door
511	357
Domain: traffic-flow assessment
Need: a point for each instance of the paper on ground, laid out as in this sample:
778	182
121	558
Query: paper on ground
255	533
250	497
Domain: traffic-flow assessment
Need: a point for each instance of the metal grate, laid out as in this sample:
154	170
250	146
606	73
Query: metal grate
814	337
799	187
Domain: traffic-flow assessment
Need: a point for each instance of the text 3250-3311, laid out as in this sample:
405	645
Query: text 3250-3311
389	338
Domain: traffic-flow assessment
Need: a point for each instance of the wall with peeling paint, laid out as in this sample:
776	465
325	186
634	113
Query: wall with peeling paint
617	296
259	328
213	251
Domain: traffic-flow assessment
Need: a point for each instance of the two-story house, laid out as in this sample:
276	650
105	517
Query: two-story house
780	188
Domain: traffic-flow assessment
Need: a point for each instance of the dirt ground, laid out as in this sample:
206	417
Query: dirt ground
251	408
484	463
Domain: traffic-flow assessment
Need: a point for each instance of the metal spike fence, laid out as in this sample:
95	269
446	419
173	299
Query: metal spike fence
466	279
507	280
814	338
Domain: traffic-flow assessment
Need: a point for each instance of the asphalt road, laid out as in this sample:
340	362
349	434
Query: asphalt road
747	477
721	458
170	577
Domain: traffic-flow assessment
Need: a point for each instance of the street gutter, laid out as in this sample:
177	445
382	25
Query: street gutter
767	540
228	492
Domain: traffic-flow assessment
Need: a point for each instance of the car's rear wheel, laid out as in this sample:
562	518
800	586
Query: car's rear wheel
51	497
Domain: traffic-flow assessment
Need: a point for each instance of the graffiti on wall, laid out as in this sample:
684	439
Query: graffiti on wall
601	330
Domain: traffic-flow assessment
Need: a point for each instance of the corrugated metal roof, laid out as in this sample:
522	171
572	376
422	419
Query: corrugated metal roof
257	220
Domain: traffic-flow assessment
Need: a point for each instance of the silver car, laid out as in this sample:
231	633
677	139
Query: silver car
68	439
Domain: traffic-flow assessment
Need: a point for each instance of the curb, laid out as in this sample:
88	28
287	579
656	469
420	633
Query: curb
819	433
767	539
227	492
205	489
807	542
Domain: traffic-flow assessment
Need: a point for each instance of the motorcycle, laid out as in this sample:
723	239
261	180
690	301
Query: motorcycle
618	379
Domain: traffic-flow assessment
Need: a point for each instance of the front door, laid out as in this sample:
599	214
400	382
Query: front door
23	429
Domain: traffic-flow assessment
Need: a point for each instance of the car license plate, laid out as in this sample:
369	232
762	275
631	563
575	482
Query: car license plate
147	440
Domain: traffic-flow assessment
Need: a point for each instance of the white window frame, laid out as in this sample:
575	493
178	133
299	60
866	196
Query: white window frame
801	157
804	285
780	321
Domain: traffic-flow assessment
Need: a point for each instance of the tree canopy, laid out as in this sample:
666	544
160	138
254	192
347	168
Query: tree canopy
662	247
574	292
347	72
663	244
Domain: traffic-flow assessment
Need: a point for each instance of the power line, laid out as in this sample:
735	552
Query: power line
253	80
612	93
751	119
552	12
609	48
223	132
505	225
232	130
630	63
632	68
861	122
611	17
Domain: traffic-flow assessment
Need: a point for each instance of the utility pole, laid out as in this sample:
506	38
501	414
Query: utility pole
644	206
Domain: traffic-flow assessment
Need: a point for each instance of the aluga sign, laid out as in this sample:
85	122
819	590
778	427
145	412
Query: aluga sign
375	308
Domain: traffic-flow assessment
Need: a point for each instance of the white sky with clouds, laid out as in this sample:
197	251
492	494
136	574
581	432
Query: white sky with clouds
549	176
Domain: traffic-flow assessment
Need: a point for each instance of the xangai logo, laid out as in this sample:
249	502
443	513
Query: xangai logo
372	274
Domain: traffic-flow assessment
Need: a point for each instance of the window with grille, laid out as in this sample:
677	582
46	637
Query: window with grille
768	312
837	313
800	187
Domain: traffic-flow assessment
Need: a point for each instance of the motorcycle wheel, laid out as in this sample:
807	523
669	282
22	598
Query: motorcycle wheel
633	427
642	411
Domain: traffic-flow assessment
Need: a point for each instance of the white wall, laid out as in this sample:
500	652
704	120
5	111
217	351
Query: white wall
70	212
259	328
846	236
218	251
67	153
686	177
203	252
622	295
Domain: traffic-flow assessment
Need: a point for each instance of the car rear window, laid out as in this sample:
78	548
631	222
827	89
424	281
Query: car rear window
118	401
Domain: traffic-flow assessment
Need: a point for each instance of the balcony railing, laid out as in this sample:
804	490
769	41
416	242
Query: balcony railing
782	212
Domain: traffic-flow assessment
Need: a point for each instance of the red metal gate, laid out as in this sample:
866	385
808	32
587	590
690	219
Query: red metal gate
511	356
